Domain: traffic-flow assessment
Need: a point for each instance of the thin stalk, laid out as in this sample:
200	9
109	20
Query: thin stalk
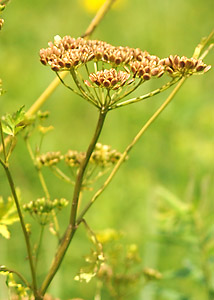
3	144
206	52
58	258
87	88
99	16
71	229
128	92
128	149
84	93
148	95
88	73
44	96
200	47
4	269
67	86
56	224
40	175
39	245
61	174
22	222
43	183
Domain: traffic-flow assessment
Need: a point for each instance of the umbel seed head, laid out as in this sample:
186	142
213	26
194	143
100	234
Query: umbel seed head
117	71
183	66
110	79
67	53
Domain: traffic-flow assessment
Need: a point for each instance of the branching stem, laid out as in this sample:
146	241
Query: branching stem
150	94
128	149
71	229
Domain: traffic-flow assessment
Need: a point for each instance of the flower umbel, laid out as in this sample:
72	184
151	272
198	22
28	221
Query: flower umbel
117	71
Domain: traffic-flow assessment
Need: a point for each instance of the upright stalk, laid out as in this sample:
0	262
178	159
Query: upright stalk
71	229
26	236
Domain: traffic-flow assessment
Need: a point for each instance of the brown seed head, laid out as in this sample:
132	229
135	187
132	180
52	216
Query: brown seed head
74	158
110	79
183	66
49	159
146	68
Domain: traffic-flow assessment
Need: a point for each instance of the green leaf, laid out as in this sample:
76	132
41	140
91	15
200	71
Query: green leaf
12	124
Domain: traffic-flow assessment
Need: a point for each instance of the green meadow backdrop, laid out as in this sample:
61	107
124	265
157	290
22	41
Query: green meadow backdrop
174	160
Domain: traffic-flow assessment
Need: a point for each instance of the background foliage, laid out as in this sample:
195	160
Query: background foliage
174	159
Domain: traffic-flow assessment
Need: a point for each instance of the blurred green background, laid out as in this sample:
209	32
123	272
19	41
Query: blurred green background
176	152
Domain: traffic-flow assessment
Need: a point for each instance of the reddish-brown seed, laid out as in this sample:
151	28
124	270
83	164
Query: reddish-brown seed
106	83
146	76
154	71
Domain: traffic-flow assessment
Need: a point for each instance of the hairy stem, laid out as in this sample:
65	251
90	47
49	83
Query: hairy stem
128	149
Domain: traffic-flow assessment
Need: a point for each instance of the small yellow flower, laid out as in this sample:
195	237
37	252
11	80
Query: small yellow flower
93	5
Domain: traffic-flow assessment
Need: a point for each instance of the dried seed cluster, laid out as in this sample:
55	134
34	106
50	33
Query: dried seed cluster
49	159
102	156
43	206
67	52
74	158
147	67
176	65
109	78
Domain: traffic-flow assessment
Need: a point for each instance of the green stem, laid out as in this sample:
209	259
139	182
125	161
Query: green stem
99	16
39	245
40	175
61	174
26	236
150	94
131	90
67	86
128	149
71	229
58	258
43	183
3	144
83	166
81	89
5	269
